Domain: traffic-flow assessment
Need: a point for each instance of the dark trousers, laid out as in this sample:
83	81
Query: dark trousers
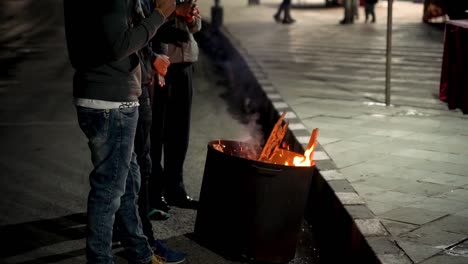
370	10
285	7
172	106
142	150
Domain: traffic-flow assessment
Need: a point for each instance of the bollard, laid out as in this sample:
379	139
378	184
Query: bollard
216	15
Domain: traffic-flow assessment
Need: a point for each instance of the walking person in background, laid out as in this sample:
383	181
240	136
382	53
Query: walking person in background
103	39
351	11
285	8
370	9
172	103
355	7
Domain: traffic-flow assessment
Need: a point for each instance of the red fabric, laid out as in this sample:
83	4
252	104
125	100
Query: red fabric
454	75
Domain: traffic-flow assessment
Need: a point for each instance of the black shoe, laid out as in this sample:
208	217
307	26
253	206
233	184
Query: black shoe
180	199
277	18
288	21
160	204
344	22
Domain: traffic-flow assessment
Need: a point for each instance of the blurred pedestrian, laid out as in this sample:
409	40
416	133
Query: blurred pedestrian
103	39
355	9
370	9
172	103
351	11
285	9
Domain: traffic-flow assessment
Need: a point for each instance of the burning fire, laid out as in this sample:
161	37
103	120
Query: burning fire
272	152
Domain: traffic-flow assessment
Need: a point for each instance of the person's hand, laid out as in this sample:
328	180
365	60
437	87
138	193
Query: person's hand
166	7
161	80
184	9
161	64
194	13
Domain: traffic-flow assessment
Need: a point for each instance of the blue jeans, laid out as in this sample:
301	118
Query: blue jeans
115	183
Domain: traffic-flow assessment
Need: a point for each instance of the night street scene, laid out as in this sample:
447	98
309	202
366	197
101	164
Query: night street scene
234	131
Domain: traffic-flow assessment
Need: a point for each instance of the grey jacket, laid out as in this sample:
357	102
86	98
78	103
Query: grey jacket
188	52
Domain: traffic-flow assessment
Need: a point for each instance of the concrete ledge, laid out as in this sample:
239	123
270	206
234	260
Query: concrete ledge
343	225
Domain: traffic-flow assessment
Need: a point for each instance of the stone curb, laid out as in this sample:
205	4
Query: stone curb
370	227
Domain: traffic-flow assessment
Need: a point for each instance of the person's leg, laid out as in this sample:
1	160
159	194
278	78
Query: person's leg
142	150
287	13
111	134
356	9
372	11
157	179
178	117
367	9
281	8
348	12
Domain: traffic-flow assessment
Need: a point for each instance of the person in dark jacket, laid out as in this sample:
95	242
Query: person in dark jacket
103	38
370	9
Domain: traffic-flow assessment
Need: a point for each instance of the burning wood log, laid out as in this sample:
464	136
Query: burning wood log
312	143
275	139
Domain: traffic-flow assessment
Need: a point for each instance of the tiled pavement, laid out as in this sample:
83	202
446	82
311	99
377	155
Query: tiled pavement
406	162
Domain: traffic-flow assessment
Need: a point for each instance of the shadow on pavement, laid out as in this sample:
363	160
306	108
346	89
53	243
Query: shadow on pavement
20	238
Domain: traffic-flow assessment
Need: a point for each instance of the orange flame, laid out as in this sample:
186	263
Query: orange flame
306	160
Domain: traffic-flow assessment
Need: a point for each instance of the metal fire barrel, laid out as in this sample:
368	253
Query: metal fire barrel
249	208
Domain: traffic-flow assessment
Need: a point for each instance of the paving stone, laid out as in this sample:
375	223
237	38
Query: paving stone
459	250
451	223
423	188
412	215
342	146
418	252
433	155
383	245
349	198
366	169
348	158
329	175
405	173
325	164
327	140
394	259
446	259
454	194
396	228
369	139
395	161
321	155
359	211
379	208
440	166
370	227
440	205
366	190
387	183
341	186
432	236
397	198
446	179
463	213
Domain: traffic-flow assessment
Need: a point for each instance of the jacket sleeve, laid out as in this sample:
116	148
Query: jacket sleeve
195	26
121	39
